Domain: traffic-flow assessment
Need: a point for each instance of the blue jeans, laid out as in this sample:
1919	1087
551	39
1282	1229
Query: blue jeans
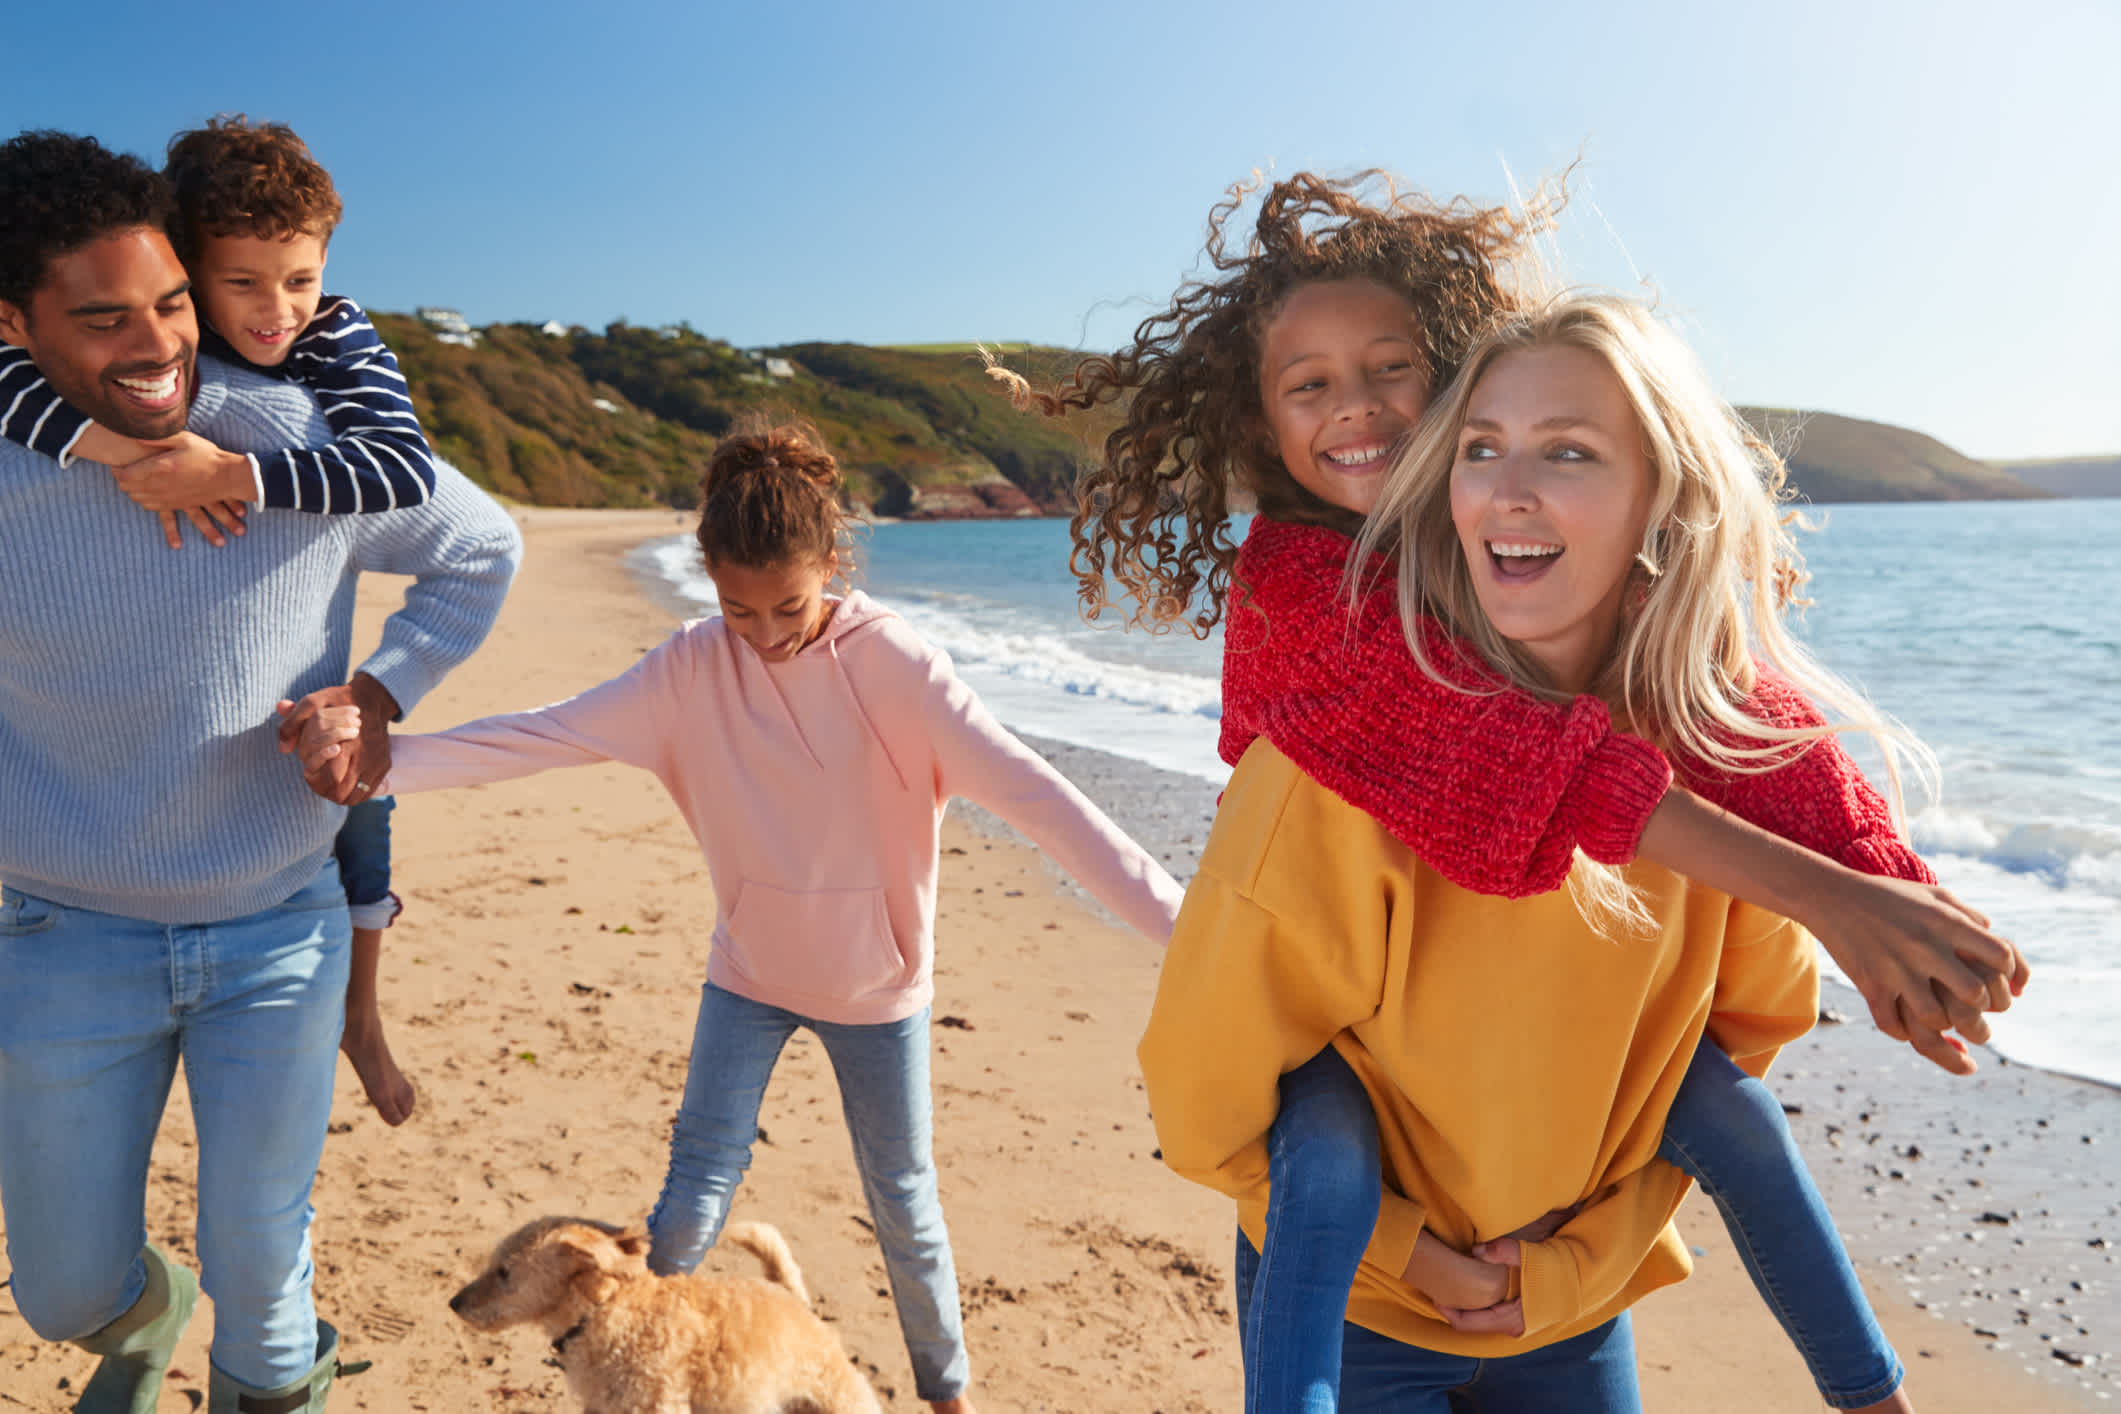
1726	1131
883	1077
95	1011
363	851
1592	1373
1323	1166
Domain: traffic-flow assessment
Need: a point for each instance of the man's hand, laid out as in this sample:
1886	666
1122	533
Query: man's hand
343	734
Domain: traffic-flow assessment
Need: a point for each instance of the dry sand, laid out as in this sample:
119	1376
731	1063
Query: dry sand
540	991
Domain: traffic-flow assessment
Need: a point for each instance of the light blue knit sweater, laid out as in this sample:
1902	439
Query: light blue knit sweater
138	769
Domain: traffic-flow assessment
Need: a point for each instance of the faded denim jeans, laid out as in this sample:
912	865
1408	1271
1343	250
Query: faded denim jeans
883	1077
95	1012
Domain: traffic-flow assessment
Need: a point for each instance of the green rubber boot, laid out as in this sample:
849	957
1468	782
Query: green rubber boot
304	1396
136	1347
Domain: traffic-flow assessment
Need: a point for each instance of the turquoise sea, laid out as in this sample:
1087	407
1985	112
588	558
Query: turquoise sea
1991	629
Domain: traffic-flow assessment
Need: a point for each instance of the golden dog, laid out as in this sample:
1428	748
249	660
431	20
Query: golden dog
635	1343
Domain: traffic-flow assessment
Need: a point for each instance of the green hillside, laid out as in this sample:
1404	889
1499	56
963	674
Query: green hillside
1834	458
2071	476
628	417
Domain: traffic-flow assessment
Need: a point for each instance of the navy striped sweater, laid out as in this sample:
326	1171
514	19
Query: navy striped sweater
379	459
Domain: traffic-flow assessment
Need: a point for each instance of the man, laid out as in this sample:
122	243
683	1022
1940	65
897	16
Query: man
169	883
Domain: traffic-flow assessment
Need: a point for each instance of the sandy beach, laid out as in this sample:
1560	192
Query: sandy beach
540	991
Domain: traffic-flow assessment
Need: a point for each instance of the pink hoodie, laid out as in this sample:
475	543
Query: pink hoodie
816	788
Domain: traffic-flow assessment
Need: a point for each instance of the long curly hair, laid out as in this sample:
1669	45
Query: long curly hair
770	496
234	177
1153	515
58	193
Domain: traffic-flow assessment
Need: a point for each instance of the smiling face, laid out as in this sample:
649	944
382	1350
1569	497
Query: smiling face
259	293
779	610
112	330
1550	494
1341	377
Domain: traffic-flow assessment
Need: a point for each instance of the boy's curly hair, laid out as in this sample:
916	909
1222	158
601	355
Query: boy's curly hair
58	192
1154	514
234	177
771	496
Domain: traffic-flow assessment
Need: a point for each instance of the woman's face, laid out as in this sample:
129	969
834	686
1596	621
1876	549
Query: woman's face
1341	377
1550	493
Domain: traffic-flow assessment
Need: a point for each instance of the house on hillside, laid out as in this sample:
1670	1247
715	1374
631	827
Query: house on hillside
554	329
450	326
772	367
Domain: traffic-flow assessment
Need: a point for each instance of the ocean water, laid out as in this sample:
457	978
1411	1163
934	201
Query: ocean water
1993	630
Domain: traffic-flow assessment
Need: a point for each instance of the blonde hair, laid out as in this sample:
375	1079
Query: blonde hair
1718	569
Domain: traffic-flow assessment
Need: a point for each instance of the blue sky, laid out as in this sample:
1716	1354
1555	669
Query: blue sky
1902	211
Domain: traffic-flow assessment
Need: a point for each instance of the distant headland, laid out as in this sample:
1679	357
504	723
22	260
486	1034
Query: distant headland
558	415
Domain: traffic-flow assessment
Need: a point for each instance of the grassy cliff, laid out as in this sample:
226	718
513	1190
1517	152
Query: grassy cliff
627	417
2071	476
1834	458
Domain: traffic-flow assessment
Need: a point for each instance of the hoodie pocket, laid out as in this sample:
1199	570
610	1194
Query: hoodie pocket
831	943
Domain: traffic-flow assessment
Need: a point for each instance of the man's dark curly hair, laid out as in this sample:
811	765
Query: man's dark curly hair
1154	515
59	192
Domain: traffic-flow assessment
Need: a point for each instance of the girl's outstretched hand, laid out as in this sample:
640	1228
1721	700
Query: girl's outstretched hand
1925	962
320	738
342	735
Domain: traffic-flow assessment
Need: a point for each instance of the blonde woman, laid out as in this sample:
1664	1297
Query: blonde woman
1580	506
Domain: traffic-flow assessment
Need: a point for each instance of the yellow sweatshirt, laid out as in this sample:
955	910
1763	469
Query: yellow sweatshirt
1518	1061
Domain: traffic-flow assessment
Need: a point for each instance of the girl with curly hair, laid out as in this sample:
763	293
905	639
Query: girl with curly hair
1285	377
812	741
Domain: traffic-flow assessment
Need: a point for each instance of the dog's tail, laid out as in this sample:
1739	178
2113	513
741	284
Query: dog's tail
764	1241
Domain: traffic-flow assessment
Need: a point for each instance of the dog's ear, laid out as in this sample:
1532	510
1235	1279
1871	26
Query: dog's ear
587	1249
633	1241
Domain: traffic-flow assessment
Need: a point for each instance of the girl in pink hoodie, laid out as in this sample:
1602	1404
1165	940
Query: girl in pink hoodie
826	916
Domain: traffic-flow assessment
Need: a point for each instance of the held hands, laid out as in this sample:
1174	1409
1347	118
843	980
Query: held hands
1925	962
182	474
189	475
343	737
1472	1290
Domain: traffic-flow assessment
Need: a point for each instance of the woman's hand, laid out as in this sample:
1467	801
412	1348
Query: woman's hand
1453	1280
1503	1257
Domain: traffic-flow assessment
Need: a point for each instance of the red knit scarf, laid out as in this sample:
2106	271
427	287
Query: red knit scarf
1494	789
